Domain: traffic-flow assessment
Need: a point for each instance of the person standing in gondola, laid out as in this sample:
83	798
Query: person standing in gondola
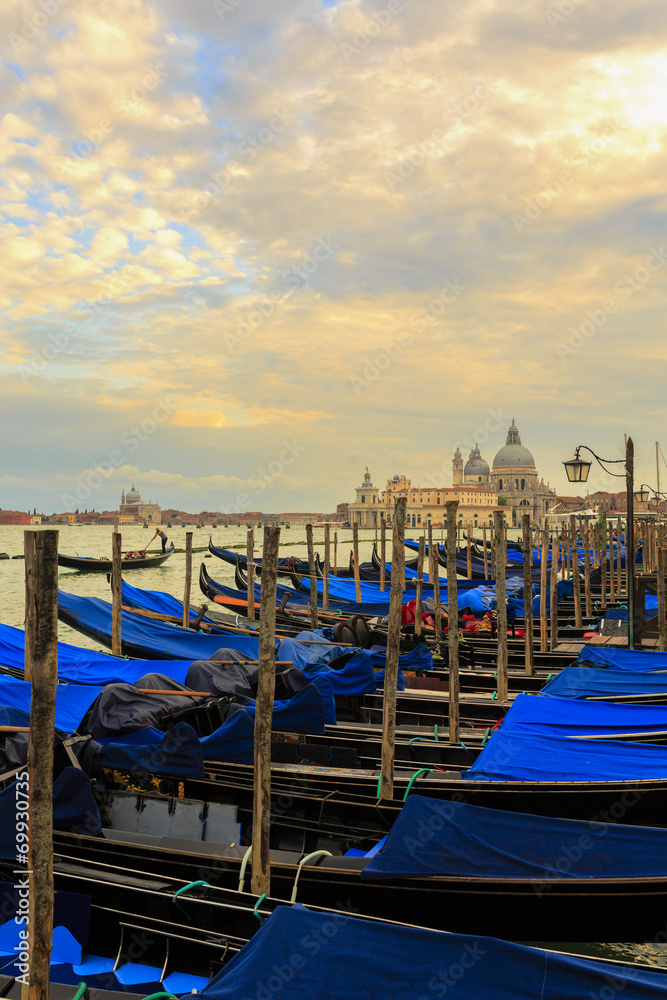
160	534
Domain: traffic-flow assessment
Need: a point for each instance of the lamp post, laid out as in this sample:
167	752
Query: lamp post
577	470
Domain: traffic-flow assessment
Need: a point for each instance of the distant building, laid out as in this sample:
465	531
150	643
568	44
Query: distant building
14	517
514	477
132	505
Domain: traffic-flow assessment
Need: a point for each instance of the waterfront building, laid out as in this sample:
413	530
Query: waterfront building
515	478
133	505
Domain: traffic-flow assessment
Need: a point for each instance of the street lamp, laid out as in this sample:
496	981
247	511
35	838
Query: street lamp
577	470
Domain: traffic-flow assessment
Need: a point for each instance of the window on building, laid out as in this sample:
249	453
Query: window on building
363	499
523	484
517	484
419	519
500	484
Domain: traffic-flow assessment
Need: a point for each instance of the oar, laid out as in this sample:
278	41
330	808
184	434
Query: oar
150	543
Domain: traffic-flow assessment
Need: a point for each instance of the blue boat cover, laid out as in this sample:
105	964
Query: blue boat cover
177	752
524	755
72	700
301	954
85	666
621	614
148	637
577	682
623	659
436	837
564	717
418	658
356	677
154	600
74	808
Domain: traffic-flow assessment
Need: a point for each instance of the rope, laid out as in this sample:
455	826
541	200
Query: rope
423	770
309	857
256	912
185	888
81	991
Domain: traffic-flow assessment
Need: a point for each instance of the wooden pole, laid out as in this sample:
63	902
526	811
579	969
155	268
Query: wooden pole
575	572
29	624
43	651
469	551
313	576
393	647
266	684
529	656
250	566
420	587
325	582
335	553
544	558
587	571
453	624
383	553
553	637
434	578
355	546
501	604
486	557
116	598
603	560
662	606
188	579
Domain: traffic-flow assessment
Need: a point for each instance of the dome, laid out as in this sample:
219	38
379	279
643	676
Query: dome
133	496
513	455
476	466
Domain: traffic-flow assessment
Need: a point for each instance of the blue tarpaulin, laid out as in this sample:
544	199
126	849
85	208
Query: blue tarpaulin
300	954
523	755
85	666
177	752
74	808
577	682
564	717
154	600
623	659
72	700
435	837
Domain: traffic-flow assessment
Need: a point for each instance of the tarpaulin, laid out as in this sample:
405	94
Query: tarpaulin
564	717
523	755
577	682
435	837
86	666
74	808
301	954
72	700
177	752
623	659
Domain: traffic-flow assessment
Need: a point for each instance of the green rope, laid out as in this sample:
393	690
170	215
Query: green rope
379	783
486	736
81	990
255	912
423	770
463	745
185	888
156	996
494	695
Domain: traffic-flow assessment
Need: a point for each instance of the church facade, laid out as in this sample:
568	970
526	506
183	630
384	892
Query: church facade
133	506
511	485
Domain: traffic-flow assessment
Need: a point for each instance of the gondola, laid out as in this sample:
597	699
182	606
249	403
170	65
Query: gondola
88	564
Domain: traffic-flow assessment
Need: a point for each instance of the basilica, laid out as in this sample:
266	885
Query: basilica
132	505
511	485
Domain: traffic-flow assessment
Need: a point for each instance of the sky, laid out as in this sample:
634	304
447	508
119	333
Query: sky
250	248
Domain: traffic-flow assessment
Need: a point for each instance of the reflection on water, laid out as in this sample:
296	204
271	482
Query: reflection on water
650	953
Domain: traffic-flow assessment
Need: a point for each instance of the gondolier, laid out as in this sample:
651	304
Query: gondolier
160	534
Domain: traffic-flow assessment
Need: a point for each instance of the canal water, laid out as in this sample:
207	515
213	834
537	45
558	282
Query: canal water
95	540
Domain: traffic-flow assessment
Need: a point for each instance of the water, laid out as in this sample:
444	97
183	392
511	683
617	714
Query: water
95	540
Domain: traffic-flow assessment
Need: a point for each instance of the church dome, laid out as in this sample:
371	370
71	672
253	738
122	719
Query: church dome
133	496
513	455
476	466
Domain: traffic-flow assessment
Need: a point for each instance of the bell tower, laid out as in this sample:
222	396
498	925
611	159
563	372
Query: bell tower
457	468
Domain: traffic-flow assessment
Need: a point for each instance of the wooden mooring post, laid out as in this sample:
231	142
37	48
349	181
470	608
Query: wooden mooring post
553	593
486	557
188	579
355	556
42	650
327	555
575	572
544	559
383	553
29	623
469	551
662	606
502	685
393	647
434	580
527	546
335	553
116	594
453	624
603	561
313	576
587	571
266	685
250	566
419	592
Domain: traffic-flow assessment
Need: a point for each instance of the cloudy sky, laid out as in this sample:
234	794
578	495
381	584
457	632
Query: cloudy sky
251	247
